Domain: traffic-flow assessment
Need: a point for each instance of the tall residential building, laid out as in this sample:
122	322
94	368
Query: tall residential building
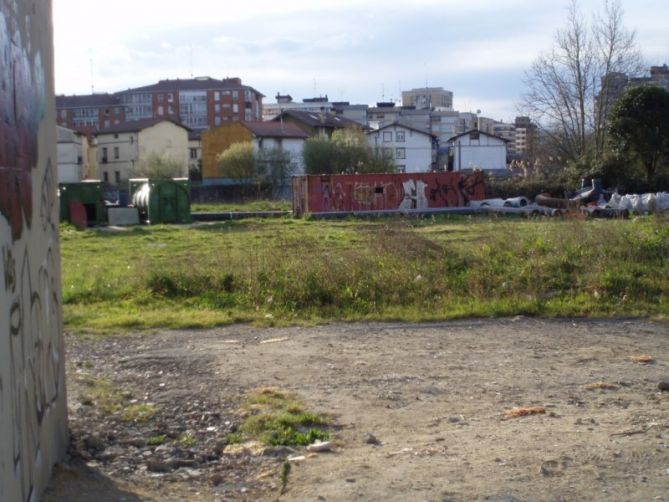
428	98
198	103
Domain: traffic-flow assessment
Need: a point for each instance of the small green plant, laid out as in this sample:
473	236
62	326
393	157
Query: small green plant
285	472
275	418
156	440
187	440
142	412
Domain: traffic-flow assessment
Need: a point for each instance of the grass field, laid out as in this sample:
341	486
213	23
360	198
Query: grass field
257	205
300	271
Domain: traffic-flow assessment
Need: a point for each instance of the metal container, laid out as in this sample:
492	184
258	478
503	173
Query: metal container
87	193
161	200
382	192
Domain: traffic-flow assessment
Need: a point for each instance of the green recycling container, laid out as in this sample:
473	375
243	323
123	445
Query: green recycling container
161	200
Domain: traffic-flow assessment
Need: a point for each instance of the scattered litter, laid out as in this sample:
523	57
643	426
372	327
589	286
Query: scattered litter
320	446
372	439
601	386
298	458
642	359
275	340
524	411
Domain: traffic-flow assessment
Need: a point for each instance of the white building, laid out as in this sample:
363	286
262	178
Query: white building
70	150
477	150
411	148
287	137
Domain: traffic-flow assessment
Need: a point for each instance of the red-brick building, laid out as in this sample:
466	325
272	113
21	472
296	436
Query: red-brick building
198	103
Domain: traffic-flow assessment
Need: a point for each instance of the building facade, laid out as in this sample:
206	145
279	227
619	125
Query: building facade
122	148
477	150
428	98
411	149
198	103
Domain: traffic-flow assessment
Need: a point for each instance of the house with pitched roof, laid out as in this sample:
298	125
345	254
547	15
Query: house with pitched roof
121	148
412	149
477	150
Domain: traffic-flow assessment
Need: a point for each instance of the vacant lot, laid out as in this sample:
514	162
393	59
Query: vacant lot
286	271
419	412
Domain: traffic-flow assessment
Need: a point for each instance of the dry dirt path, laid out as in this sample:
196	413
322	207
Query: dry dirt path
419	409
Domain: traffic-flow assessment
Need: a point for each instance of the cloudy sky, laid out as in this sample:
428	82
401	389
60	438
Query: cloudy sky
362	51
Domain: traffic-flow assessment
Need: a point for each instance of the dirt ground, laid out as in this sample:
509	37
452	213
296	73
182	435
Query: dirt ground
419	412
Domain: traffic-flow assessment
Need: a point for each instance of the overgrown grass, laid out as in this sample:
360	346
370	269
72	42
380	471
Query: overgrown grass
276	418
297	271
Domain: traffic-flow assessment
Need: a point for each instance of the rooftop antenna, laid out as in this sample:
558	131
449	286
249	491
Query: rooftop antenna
90	57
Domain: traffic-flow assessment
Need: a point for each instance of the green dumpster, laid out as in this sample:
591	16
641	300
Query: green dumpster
87	193
161	200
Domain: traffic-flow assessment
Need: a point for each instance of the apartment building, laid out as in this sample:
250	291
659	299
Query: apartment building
88	113
428	98
198	103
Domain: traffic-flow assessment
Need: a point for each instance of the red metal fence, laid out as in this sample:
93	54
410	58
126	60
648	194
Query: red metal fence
377	192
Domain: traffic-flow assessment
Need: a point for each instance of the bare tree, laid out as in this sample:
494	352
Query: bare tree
565	84
617	54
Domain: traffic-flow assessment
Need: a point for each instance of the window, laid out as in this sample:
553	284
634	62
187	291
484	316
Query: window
170	97
217	108
235	108
63	114
399	136
117	176
105	177
160	98
402	169
132	139
400	153
104	156
160	110
217	96
116	153
387	152
170	109
115	136
474	135
193	153
217	121
387	136
235	94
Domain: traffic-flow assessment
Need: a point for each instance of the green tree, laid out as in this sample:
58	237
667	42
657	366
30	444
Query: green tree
274	166
639	128
238	163
319	156
347	151
159	166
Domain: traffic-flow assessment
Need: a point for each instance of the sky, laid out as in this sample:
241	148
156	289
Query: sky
361	51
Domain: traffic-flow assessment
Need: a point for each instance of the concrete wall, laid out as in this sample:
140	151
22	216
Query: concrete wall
33	414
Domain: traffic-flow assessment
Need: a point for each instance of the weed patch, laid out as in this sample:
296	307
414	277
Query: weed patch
275	418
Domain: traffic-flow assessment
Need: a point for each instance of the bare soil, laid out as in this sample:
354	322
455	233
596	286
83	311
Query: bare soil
419	412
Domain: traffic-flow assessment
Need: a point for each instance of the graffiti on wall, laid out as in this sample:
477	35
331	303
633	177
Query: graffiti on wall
385	191
31	343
